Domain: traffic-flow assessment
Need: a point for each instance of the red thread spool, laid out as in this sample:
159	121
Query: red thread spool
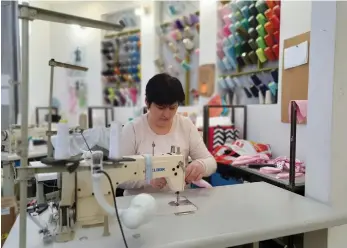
278	2
269	40
269	54
277	36
276	50
270	3
269	28
268	13
277	11
275	22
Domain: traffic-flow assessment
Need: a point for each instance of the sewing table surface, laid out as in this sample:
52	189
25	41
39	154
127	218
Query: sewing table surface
226	216
36	152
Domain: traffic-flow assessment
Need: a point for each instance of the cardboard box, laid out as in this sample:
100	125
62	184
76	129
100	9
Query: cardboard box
8	216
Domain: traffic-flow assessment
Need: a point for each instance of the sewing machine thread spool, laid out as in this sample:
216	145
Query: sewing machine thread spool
115	140
62	150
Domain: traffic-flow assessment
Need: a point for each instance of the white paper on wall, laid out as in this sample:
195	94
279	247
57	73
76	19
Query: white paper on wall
296	55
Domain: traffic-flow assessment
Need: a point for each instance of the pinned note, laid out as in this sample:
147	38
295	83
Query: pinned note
296	55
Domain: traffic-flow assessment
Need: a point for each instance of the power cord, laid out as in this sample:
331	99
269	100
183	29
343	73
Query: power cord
113	195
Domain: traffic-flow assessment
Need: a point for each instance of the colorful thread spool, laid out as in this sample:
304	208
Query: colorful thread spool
238	15
179	24
226	42
277	11
241	32
245	12
226	31
253	10
261	19
268	13
252	33
225	10
245	47
221	65
176	35
238	49
269	54
269	28
252	22
275	22
230	82
220	54
226	63
244	24
276	50
240	61
232	39
270	3
233	6
261	43
241	3
261	6
227	20
246	59
277	36
185	65
252	44
273	87
261	30
253	57
269	40
261	56
255	80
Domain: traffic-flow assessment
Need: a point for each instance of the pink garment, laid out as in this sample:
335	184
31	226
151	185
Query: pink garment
248	159
285	175
283	164
202	184
270	170
301	112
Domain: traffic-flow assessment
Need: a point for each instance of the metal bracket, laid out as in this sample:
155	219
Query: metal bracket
27	13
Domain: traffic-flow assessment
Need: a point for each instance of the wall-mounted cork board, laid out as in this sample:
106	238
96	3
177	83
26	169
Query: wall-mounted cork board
294	80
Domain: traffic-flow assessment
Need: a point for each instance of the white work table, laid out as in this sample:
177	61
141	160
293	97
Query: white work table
8	160
226	216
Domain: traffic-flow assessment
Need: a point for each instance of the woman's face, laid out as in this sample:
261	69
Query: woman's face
162	115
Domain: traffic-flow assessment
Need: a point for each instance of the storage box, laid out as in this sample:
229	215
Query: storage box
8	216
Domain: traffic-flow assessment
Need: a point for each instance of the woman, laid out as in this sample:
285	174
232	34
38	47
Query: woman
164	127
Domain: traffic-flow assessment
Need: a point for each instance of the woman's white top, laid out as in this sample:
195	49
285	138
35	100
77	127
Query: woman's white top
138	137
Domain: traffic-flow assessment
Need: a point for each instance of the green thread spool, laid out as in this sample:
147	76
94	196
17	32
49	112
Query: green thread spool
244	35
233	28
185	65
252	44
238	15
273	88
253	57
261	56
244	24
261	30
261	42
261	19
261	6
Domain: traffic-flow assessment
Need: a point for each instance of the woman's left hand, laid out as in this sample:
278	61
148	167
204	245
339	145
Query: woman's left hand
194	171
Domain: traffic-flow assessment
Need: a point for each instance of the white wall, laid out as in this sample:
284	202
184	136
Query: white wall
264	121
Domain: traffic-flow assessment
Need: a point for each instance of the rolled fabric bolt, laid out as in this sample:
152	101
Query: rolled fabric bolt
242	33
248	94
253	57
252	33
276	50
261	19
268	13
277	36
273	88
245	12
252	22
270	4
252	44
261	31
261	43
269	40
269	54
261	55
254	90
269	28
246	59
226	31
275	22
277	11
226	63
240	61
256	81
253	10
245	24
261	6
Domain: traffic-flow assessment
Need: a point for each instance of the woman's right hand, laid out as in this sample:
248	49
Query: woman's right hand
158	183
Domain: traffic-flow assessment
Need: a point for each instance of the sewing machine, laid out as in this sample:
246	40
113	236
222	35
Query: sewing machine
12	138
79	206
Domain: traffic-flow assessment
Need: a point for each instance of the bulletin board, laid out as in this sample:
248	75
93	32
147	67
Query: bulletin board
294	80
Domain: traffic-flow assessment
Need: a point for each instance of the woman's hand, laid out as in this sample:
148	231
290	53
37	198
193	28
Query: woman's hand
194	171
158	183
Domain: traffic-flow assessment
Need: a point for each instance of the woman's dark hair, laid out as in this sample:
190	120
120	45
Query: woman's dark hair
164	90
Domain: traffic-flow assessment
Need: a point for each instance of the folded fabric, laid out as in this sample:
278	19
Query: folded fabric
270	170
285	175
301	112
248	159
202	184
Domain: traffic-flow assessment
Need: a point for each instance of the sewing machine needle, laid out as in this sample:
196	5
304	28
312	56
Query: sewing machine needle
177	198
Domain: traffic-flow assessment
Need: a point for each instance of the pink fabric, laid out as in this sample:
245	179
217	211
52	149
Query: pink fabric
202	184
248	159
283	164
226	31
270	170
301	112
